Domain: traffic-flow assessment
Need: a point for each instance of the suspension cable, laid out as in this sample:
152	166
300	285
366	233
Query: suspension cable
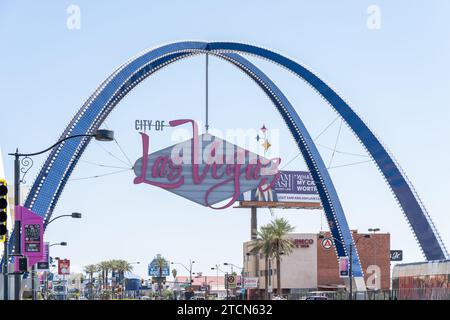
335	145
100	175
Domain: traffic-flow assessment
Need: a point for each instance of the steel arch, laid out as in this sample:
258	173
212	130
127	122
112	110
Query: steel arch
60	163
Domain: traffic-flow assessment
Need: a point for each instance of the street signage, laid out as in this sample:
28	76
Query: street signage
63	266
250	282
327	243
231	281
205	169
344	267
154	269
32	234
44	265
396	255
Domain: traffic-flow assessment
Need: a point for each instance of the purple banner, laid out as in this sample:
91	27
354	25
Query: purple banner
32	234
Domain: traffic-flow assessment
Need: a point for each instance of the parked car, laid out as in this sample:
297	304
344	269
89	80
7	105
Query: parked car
316	298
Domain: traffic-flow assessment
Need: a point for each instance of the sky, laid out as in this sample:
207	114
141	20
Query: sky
396	76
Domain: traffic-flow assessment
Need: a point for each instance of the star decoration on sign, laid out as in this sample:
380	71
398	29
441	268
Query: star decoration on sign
263	129
266	145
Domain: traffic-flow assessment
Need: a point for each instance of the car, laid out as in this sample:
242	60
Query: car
316	298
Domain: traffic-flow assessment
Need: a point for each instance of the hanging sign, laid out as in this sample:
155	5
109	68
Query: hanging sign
344	267
205	169
32	234
63	266
44	265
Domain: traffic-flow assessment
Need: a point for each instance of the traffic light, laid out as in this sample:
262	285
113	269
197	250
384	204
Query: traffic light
3	209
23	264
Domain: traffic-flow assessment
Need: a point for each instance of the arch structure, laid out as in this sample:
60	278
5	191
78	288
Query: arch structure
62	160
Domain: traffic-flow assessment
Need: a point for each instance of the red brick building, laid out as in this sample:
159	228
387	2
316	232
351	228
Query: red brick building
313	265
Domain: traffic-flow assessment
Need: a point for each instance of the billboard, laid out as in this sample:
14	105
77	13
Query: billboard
205	169
291	188
63	266
154	269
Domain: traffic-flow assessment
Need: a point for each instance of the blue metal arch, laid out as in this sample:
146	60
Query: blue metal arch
60	163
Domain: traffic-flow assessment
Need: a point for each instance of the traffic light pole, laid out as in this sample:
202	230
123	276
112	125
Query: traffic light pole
17	244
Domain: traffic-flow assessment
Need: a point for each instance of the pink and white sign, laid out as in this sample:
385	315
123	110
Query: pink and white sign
205	169
32	234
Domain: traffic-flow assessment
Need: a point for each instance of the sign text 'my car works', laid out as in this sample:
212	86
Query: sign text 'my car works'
205	169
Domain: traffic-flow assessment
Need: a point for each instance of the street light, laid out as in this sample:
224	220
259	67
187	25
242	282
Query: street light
242	273
99	135
321	236
63	244
217	277
191	262
374	230
75	215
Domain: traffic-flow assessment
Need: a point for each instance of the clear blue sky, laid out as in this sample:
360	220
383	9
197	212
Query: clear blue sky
396	77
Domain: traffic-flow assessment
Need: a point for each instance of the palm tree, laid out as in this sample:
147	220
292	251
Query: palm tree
90	269
105	267
281	245
122	266
161	263
263	245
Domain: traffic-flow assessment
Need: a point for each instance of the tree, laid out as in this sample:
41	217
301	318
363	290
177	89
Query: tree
161	263
273	243
263	244
90	269
281	245
105	267
122	266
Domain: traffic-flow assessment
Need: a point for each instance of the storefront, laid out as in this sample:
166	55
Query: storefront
312	265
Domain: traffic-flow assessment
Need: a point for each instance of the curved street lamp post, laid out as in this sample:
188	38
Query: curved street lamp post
99	135
350	273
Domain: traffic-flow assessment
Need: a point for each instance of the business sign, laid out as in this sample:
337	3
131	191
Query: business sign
303	243
63	266
154	269
205	169
32	235
231	281
250	282
344	267
396	255
326	243
44	265
291	187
